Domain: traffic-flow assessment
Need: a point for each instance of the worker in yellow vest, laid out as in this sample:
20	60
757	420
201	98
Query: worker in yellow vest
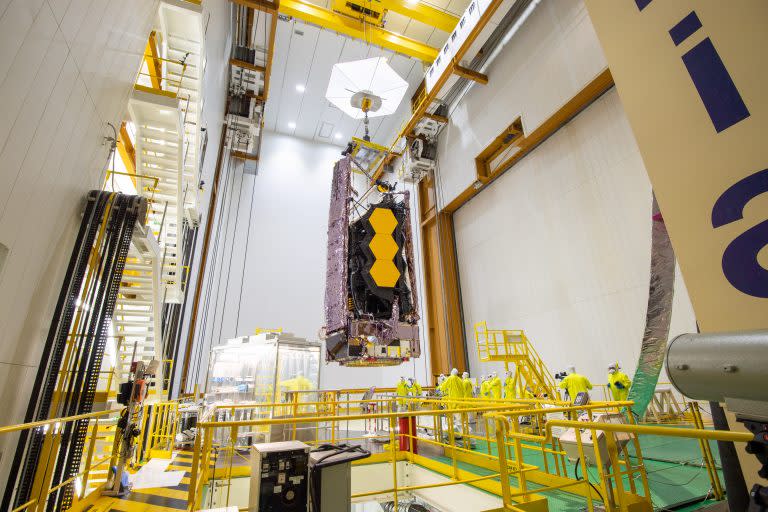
574	383
299	383
413	389
439	386
453	389
469	388
618	382
495	386
401	390
485	391
509	385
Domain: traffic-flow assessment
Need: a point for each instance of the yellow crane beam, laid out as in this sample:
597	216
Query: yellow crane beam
378	36
424	13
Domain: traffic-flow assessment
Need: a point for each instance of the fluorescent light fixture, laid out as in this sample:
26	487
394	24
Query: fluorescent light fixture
338	135
292	125
165	112
373	76
300	88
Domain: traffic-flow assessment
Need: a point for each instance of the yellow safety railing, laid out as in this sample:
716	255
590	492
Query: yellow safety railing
612	489
92	463
211	430
496	435
158	427
510	442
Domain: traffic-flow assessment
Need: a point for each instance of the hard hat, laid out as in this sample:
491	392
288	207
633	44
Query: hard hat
454	371
465	375
570	369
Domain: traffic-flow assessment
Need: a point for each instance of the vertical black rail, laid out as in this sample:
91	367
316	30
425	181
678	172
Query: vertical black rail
87	346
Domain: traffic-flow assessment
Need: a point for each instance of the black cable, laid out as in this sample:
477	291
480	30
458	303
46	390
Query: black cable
245	256
212	269
231	251
223	254
576	474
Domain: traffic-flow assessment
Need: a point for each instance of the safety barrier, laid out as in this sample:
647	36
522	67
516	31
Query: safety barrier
509	443
511	438
205	444
158	431
94	464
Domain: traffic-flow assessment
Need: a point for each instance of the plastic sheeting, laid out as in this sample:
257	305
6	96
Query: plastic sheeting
660	293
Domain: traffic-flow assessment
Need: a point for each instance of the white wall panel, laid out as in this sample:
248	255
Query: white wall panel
560	246
550	59
67	68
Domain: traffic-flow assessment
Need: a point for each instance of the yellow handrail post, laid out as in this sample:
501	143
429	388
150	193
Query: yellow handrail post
394	450
604	483
706	453
488	435
452	443
501	433
613	456
639	457
233	442
521	479
585	471
193	478
89	455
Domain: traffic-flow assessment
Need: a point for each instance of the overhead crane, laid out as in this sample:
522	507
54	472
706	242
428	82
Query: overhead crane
365	21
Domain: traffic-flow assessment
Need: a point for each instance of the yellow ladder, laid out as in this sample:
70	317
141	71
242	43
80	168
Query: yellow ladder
512	347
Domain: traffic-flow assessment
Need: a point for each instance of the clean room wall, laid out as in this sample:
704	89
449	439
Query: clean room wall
559	246
554	54
282	277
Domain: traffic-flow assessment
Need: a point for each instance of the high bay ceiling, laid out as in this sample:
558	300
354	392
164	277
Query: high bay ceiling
304	56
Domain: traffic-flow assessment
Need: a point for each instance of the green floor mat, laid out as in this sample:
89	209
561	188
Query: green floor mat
675	475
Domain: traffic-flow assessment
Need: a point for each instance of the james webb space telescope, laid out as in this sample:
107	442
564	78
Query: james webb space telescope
371	309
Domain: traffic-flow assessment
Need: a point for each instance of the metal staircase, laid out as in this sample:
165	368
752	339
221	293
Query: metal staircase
512	347
182	30
136	322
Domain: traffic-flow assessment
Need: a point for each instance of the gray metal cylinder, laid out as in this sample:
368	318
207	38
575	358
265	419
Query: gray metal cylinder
715	366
